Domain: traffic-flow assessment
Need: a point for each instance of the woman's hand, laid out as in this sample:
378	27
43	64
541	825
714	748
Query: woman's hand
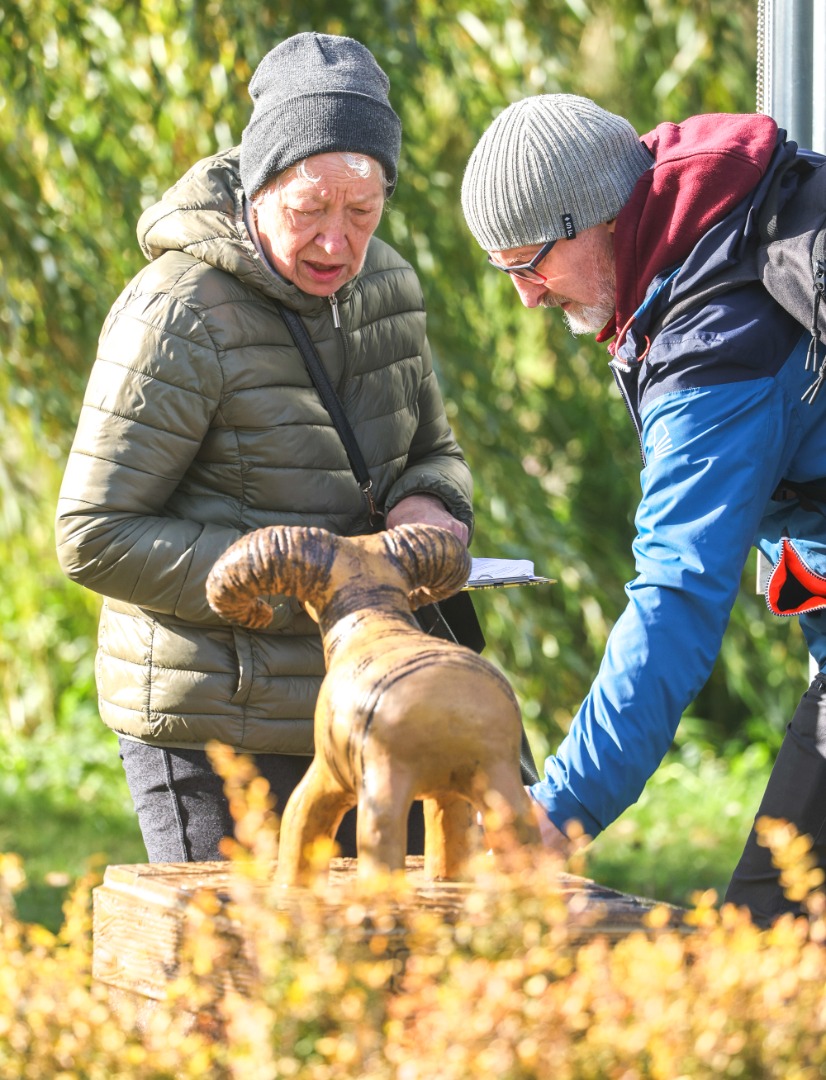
426	510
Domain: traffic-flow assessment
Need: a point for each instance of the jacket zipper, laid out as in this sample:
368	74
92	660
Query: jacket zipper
374	515
617	366
345	367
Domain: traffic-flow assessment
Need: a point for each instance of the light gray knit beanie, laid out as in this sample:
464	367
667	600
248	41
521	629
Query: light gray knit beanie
548	167
316	94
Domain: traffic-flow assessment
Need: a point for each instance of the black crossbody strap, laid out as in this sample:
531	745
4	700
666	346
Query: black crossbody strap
332	403
430	618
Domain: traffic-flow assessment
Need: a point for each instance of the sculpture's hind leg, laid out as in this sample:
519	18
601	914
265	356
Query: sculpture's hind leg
384	802
314	809
505	795
450	835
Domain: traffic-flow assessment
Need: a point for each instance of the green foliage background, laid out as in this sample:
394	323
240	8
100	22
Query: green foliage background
103	105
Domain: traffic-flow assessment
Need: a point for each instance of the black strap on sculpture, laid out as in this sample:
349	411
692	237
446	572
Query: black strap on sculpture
527	765
431	618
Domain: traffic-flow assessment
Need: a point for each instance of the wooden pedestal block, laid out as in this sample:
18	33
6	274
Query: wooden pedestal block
139	914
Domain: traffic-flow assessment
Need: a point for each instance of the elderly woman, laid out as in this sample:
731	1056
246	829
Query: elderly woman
200	423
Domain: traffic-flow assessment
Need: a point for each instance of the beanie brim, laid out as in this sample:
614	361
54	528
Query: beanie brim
549	167
318	123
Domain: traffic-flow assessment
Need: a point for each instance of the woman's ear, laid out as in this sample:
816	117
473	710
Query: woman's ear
292	560
435	562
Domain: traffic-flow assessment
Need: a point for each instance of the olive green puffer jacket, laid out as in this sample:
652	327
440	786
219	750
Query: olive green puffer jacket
199	424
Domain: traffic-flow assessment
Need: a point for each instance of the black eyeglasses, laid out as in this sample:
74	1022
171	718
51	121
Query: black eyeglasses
527	271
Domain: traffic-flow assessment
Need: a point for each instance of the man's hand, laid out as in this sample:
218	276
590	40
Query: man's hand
426	510
551	837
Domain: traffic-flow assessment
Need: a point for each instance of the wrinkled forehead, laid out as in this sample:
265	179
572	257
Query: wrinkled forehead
355	173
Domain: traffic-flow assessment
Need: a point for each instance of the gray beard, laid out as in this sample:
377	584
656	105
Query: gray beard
584	320
591	319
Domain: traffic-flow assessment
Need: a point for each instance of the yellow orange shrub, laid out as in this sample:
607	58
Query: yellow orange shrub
379	988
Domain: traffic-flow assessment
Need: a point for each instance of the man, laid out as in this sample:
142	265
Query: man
615	230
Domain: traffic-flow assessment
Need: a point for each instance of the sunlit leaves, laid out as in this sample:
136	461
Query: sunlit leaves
369	979
106	102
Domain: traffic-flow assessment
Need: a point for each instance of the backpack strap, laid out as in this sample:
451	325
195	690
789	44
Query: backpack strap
781	188
787	256
792	252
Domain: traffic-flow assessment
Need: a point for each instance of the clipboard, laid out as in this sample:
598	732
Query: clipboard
503	574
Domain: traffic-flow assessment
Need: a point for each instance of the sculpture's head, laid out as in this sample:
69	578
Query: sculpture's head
411	564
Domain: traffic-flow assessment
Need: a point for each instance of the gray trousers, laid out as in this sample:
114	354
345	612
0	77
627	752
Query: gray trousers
183	812
796	792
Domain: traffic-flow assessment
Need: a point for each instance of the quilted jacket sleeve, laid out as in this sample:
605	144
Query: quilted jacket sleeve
153	390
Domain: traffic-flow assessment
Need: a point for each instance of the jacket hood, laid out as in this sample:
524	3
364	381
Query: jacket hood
703	168
203	215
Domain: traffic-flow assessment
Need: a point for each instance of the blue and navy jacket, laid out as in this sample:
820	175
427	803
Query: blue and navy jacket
715	396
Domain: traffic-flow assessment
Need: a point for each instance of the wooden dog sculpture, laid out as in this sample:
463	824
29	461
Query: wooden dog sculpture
400	715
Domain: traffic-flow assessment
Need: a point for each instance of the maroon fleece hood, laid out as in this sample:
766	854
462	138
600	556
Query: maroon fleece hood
702	169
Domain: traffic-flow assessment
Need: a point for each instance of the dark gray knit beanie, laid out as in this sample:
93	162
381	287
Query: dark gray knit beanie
315	94
548	167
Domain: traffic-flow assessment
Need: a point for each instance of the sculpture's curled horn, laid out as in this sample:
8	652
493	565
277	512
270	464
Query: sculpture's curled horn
436	563
291	560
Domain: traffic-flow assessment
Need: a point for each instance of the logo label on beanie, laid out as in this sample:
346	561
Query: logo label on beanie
568	226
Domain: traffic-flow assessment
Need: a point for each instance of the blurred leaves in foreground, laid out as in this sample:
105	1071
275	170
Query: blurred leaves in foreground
507	988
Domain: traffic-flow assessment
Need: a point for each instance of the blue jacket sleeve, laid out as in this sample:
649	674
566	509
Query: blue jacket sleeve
711	457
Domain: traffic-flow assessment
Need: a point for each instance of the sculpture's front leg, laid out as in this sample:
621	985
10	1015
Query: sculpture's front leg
314	810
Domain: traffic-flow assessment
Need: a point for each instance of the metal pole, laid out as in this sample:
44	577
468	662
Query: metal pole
791	82
819	78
